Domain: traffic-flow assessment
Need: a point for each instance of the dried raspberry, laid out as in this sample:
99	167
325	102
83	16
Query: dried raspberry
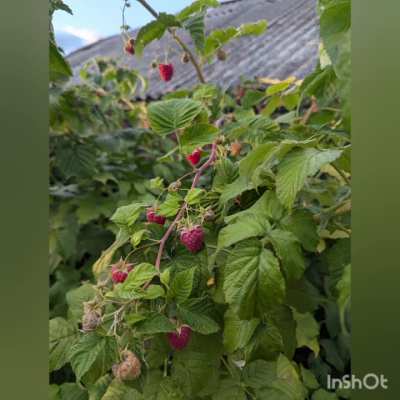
130	47
129	369
185	58
221	55
166	71
209	215
153	217
193	238
194	158
91	318
236	148
180	339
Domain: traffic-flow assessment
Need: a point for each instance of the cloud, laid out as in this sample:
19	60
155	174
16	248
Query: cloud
88	36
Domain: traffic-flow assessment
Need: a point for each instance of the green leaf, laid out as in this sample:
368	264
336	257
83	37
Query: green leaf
141	274
182	285
308	378
296	167
77	160
266	207
260	155
171	205
120	391
71	391
322	394
91	350
252	98
253	282
196	136
106	256
307	331
76	298
59	68
302	225
62	335
230	389
194	313
195	25
195	7
253	28
154	30
244	227
218	38
260	373
288	249
234	189
138	236
126	216
169	115
237	333
155	323
194	196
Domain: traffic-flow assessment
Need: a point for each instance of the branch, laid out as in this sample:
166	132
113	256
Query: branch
181	211
183	46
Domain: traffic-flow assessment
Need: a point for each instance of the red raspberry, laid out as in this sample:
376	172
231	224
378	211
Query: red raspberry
119	276
153	217
180	339
193	238
130	47
194	158
166	71
120	271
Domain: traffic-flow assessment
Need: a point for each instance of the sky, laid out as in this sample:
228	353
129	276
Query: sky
96	19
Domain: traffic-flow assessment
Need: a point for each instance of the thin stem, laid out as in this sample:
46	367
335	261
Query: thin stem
183	46
342	174
181	212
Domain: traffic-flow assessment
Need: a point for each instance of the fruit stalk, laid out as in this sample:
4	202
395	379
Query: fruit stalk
183	46
195	182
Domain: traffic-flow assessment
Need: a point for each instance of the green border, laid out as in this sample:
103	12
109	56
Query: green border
376	194
24	199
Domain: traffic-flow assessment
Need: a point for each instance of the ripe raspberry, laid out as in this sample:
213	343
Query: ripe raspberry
180	339
130	47
120	271
119	276
166	71
153	217
194	158
129	369
193	238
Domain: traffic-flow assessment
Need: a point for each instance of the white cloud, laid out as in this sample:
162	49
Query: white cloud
87	35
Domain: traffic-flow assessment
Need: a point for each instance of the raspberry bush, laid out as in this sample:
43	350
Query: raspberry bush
228	274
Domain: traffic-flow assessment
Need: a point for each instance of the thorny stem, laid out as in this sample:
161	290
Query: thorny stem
183	46
181	212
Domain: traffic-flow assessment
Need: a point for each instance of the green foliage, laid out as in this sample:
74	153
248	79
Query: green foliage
267	297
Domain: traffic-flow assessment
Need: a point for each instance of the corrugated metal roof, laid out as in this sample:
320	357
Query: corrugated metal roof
289	46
